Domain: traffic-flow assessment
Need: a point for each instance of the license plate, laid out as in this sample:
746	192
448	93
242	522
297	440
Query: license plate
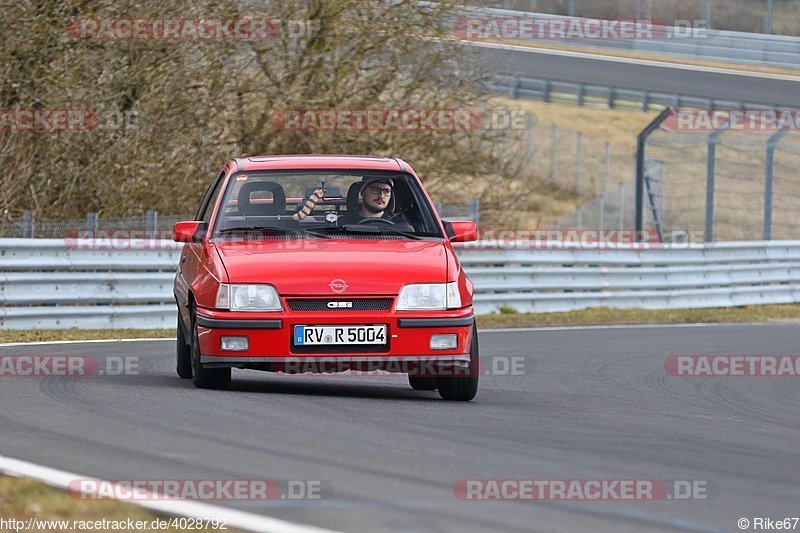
339	335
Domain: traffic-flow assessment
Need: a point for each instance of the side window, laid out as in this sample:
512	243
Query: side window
210	199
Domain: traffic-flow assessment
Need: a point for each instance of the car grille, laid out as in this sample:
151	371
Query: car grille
321	304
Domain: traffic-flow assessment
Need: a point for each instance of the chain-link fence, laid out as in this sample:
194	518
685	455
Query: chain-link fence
568	159
598	173
151	224
726	184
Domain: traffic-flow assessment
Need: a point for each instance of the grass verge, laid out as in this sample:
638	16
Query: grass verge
22	499
606	316
49	335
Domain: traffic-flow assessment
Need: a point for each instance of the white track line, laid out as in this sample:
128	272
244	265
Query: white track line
47	343
634	61
235	519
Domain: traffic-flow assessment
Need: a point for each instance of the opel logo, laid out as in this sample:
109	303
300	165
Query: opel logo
338	286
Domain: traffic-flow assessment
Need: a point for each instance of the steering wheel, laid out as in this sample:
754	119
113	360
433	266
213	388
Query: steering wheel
376	221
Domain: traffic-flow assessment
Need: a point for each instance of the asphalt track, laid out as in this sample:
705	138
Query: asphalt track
592	404
643	75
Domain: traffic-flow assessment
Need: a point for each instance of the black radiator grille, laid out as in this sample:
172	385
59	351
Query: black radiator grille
339	304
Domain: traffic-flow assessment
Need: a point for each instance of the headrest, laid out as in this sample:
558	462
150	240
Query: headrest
246	207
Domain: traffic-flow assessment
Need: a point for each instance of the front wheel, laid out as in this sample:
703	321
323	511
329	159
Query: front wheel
202	377
462	388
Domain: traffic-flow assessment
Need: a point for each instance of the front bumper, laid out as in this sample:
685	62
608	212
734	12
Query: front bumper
270	338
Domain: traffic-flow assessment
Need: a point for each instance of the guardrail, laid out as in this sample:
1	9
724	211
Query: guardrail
51	283
563	278
58	283
552	90
712	45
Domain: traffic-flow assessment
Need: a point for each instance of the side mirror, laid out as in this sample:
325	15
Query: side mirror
192	231
462	231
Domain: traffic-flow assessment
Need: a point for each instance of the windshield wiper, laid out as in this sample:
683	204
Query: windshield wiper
373	230
270	229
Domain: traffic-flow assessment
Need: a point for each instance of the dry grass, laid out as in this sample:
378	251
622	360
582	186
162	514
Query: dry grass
616	126
605	316
22	499
55	335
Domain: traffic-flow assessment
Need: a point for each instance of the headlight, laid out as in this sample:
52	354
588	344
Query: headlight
248	298
430	296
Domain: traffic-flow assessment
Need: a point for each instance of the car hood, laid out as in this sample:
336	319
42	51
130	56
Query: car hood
325	267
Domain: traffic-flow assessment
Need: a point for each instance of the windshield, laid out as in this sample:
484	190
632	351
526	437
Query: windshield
325	204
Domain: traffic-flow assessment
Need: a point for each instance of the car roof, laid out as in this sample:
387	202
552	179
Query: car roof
315	161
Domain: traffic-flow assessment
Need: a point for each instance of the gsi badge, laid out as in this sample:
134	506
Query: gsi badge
340	305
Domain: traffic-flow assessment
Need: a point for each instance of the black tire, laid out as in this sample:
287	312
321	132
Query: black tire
421	383
462	388
184	353
206	378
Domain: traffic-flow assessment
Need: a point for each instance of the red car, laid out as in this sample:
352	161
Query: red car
324	264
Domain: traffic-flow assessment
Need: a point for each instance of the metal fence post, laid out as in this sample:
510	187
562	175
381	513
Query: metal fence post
571	8
772	144
529	154
711	176
607	169
641	147
554	152
579	218
28	225
601	212
475	210
152	224
578	162
768	20
92	224
622	205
